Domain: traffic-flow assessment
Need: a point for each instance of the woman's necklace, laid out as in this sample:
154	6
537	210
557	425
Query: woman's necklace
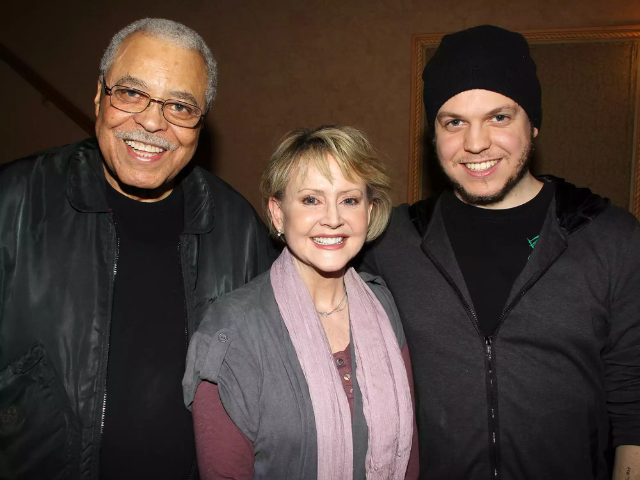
326	314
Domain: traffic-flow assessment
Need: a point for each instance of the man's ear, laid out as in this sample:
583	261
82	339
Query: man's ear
535	132
277	216
96	100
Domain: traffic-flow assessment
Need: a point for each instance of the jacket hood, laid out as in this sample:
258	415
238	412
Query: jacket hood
86	188
575	207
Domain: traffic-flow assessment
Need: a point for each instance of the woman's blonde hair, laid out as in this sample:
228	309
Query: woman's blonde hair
356	157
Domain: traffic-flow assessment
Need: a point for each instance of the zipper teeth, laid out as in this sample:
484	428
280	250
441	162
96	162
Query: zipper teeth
184	296
193	469
492	407
104	397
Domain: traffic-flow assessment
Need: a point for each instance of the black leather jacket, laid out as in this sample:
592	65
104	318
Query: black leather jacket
58	262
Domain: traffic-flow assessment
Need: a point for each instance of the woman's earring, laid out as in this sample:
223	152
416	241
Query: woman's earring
279	233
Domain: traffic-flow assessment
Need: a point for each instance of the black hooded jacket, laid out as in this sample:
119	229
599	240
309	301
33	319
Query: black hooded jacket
557	385
58	262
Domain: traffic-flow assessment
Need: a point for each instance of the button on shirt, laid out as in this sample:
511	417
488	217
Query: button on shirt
343	363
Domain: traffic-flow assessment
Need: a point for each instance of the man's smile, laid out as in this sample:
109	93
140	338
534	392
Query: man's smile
144	149
481	166
144	152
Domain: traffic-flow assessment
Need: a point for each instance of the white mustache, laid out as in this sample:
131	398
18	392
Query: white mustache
145	137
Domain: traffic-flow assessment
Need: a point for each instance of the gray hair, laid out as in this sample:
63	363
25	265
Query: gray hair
173	32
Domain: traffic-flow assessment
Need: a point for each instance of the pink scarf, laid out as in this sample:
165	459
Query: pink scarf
382	377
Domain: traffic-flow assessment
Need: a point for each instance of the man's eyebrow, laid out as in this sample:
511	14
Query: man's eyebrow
184	96
441	115
512	109
130	81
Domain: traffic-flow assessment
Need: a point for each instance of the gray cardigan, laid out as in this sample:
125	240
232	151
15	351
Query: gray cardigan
243	346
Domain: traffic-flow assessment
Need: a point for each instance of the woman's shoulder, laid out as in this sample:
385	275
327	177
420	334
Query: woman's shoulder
375	280
378	287
238	309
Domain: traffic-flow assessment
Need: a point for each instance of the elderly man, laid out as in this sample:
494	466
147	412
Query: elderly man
109	249
520	296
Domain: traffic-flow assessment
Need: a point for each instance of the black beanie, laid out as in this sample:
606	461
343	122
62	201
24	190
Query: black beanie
487	58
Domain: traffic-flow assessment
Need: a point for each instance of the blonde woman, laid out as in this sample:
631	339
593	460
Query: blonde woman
304	372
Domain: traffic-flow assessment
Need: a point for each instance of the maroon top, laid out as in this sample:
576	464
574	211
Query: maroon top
225	453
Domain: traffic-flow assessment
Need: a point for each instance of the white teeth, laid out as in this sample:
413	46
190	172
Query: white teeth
328	240
140	148
478	167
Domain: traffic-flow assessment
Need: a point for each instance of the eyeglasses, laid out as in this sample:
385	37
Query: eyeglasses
130	100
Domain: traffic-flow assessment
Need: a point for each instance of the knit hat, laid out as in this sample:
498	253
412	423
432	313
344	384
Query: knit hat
487	58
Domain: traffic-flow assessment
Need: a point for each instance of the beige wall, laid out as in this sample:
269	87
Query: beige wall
283	64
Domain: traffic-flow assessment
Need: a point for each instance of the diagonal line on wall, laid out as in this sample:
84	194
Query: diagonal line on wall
47	90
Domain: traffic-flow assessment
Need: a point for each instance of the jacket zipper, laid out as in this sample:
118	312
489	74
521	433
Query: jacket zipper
184	295
104	397
186	326
492	408
489	349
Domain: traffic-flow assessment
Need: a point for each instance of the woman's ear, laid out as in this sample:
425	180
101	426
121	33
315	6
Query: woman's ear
369	210
277	216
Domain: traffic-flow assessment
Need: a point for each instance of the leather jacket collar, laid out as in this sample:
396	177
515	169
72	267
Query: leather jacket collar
86	189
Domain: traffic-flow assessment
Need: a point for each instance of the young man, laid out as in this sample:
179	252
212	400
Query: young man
109	251
520	296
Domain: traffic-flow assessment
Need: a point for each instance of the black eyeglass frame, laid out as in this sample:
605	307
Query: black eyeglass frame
108	91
